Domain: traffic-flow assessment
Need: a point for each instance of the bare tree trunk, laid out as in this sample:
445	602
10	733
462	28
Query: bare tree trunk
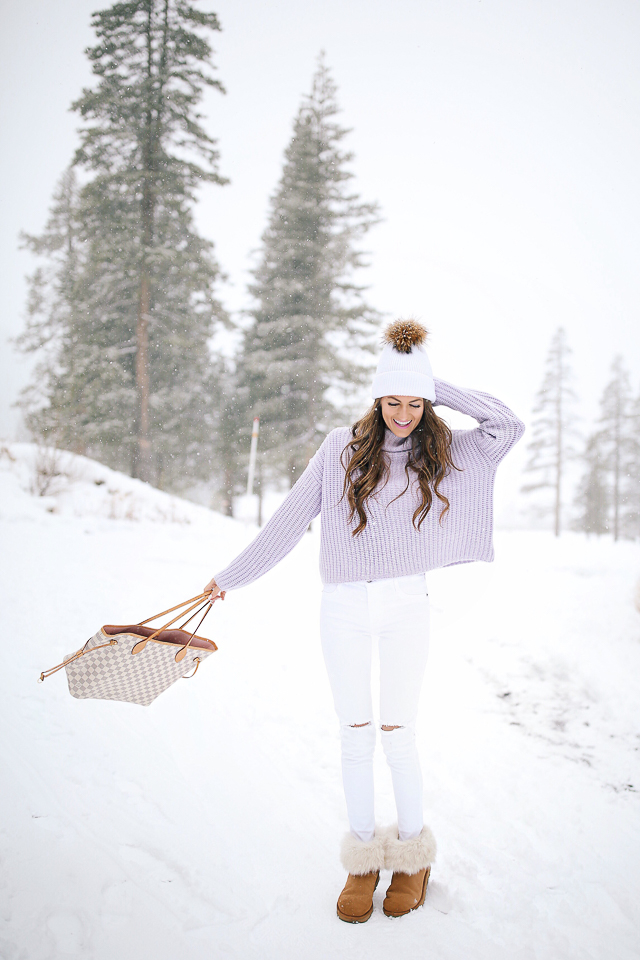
143	459
143	467
227	503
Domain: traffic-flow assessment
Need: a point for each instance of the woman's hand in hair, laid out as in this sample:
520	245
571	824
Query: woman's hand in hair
215	591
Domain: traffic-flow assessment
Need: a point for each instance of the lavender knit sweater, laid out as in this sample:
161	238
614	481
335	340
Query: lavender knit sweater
390	546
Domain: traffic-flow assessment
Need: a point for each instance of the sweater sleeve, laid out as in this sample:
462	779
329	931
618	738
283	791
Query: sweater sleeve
499	429
283	531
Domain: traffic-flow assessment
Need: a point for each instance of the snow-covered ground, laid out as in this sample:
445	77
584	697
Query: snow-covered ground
208	825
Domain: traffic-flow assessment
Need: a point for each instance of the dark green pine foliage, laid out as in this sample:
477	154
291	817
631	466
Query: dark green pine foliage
308	347
230	459
51	402
138	372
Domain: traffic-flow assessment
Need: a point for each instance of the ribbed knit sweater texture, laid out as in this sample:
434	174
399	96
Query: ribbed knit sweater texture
390	545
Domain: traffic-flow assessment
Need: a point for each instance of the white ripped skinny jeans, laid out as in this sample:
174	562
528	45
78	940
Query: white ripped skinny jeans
396	613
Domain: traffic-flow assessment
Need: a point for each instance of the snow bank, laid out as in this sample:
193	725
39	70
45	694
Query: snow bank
42	479
208	825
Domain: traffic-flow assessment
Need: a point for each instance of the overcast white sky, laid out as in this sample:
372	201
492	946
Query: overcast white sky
501	138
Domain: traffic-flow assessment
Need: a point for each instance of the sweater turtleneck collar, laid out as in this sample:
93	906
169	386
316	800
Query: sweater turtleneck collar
393	444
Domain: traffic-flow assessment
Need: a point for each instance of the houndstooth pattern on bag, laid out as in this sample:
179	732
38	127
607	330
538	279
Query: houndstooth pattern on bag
114	673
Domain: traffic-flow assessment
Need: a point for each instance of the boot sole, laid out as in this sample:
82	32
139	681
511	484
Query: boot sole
363	917
387	913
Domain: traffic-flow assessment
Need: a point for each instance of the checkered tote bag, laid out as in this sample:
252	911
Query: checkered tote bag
136	663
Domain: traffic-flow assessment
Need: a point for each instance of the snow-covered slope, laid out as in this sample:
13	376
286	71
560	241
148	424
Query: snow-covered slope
36	480
208	825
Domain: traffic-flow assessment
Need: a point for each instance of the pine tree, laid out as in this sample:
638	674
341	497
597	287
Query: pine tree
139	372
632	511
53	312
230	466
592	500
615	441
609	494
553	432
305	351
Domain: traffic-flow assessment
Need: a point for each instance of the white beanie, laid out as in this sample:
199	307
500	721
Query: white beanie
404	369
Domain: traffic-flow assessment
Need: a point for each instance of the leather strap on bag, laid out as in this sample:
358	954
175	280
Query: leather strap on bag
180	655
171	609
80	653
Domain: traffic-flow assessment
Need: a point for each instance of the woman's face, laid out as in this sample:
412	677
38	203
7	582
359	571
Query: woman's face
402	414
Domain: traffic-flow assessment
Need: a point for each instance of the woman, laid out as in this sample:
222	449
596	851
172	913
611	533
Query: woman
400	494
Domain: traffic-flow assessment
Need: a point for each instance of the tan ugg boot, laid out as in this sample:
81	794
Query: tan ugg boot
411	862
355	903
363	860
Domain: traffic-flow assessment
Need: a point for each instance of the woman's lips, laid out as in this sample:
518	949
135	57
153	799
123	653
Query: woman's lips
401	424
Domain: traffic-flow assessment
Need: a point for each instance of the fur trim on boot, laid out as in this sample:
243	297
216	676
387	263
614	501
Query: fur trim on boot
359	857
409	856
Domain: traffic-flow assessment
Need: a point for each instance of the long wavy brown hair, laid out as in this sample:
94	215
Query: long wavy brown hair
367	467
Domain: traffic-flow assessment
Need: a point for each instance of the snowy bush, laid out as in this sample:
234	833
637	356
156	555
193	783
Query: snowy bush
52	470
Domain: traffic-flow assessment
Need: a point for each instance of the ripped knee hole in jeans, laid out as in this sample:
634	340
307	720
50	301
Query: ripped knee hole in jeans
385	726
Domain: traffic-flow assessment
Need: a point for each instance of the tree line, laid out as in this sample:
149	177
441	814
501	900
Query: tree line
122	311
607	496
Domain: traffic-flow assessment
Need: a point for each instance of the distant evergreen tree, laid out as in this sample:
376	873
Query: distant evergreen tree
134	371
551	445
615	441
632	506
592	500
609	494
229	463
53	314
305	351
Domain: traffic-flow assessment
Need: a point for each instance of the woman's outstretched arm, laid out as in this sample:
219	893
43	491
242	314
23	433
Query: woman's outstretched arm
280	535
499	428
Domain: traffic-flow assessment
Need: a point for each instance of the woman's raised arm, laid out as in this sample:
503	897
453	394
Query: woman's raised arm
499	428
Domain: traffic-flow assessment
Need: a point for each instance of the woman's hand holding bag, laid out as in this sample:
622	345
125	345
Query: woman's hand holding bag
215	591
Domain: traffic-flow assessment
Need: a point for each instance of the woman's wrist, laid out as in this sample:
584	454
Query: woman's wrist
213	589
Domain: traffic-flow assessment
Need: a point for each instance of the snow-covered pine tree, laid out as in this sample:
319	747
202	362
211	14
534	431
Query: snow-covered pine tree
229	464
53	313
592	500
139	372
632	505
308	345
553	431
615	443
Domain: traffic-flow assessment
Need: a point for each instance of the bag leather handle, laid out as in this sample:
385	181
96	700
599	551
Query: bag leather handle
171	609
181	654
141	644
139	647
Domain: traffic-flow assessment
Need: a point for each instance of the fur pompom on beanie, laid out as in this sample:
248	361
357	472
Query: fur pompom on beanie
404	369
